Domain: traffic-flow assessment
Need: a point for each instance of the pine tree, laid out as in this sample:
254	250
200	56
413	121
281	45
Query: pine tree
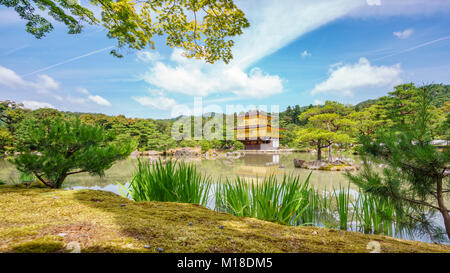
417	173
56	148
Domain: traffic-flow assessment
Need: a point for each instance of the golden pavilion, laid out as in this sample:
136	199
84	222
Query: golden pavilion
255	130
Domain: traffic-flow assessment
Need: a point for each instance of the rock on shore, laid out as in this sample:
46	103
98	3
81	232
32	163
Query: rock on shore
337	165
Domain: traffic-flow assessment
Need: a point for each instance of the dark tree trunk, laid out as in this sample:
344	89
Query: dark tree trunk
446	222
319	152
60	181
442	207
330	153
47	183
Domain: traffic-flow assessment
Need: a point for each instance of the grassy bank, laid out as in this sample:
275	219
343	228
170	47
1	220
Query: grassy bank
31	219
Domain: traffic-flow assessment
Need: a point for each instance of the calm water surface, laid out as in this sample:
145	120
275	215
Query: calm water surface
249	166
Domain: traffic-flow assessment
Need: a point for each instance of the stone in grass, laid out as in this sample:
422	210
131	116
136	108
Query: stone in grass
55	197
122	205
228	237
191	224
220	227
147	246
62	234
160	249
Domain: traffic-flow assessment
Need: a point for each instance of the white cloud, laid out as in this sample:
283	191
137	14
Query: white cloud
10	79
178	56
349	78
58	97
83	90
33	105
99	100
93	98
147	56
160	102
374	2
305	53
318	102
76	100
404	34
256	84
42	84
45	84
196	79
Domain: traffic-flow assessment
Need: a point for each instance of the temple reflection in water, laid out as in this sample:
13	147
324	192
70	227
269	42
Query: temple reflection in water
259	165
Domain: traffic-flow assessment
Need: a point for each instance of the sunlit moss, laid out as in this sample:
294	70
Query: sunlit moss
46	220
41	245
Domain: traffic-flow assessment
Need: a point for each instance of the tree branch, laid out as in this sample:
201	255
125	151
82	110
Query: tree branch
75	172
420	203
42	180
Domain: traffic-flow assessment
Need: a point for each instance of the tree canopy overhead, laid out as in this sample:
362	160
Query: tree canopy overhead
202	27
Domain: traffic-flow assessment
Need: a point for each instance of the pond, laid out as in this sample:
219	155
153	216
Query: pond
249	166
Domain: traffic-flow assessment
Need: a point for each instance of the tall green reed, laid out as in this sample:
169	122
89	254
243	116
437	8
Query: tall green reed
342	199
169	181
282	202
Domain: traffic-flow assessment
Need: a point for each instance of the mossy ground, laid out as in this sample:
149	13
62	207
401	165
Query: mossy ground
32	218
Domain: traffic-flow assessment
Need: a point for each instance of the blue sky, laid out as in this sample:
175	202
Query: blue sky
295	52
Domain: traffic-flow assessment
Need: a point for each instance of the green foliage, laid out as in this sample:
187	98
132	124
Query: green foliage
377	215
11	114
26	177
169	181
399	107
206	145
188	143
237	145
342	197
396	108
271	200
329	125
440	94
70	13
291	115
55	148
6	140
416	172
365	104
149	138
202	28
148	134
364	121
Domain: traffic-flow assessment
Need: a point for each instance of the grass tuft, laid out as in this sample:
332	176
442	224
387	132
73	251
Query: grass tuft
169	181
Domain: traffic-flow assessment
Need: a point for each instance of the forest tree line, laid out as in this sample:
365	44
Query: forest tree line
316	127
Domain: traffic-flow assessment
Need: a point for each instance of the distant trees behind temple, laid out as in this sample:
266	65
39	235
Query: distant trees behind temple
341	124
